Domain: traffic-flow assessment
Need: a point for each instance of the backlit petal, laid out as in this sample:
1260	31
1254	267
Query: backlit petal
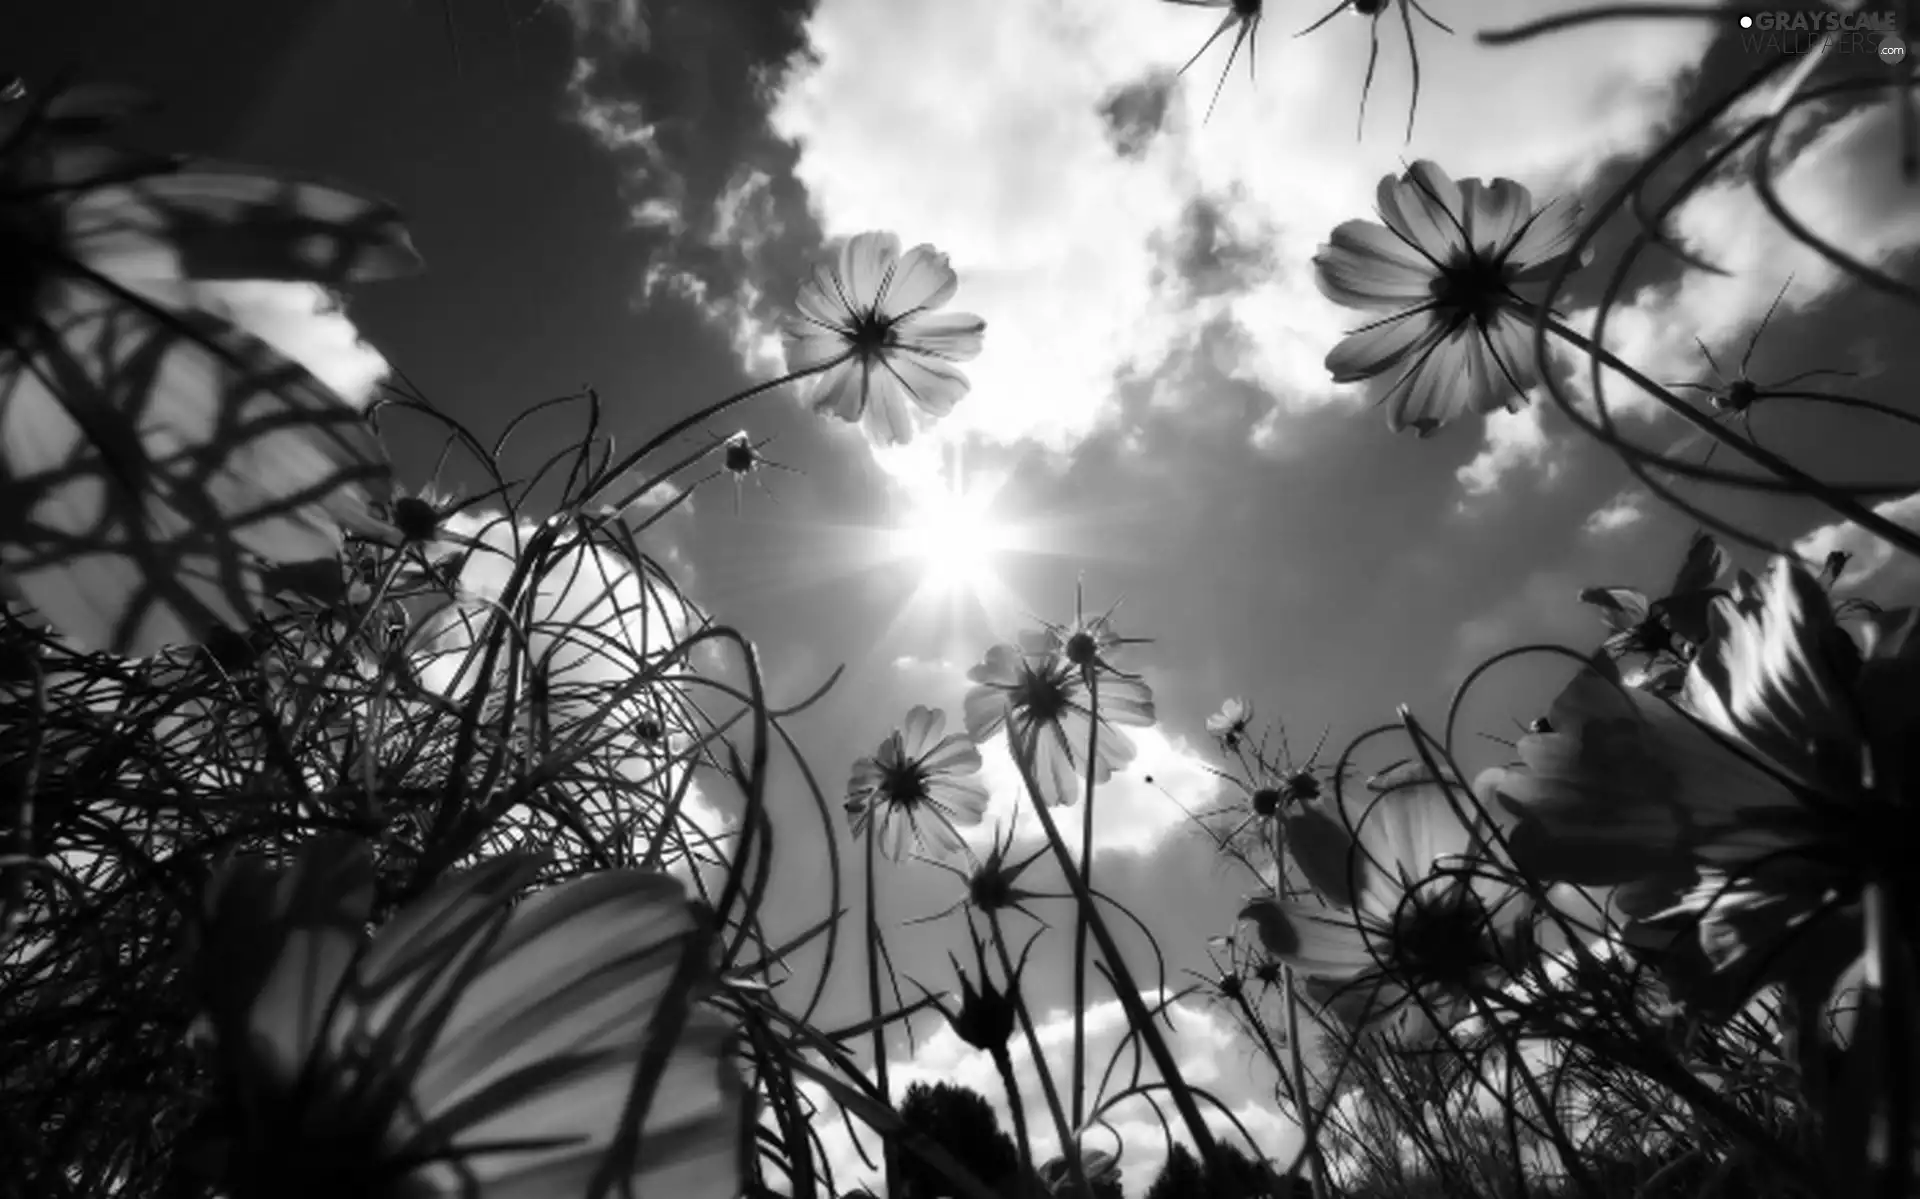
867	262
1382	346
1775	674
1424	207
954	336
1364	265
1315	941
923	279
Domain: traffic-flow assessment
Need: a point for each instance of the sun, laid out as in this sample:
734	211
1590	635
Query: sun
954	536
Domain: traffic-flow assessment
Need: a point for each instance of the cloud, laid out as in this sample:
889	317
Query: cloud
621	23
1513	440
1049	153
1877	570
1132	813
306	323
1209	1049
1622	511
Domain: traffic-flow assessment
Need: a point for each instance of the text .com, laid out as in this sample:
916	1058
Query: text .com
1773	33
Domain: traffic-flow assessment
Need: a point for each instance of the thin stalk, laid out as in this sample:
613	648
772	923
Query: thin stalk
1080	924
1003	1062
1061	1127
1137	1015
702	416
873	1005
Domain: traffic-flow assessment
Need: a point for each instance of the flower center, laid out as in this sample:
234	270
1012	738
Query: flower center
1302	786
1472	287
1042	693
1266	802
904	786
1440	936
870	333
1082	650
738	458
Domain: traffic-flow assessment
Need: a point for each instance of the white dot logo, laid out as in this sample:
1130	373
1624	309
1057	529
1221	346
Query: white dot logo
1746	22
1892	49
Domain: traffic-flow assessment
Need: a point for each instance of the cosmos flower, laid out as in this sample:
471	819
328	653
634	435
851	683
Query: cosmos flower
150	448
1443	263
1229	724
1102	1170
1410	905
1041	699
872	314
917	784
472	1046
1757	808
1665	631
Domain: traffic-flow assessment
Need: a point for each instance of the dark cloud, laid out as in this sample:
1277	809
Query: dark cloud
1135	114
1206	256
684	113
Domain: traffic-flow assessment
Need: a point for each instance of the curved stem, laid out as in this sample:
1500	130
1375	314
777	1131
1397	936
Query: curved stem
1845	505
705	414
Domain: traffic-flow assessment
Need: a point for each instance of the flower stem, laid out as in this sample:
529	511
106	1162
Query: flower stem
705	414
1840	502
1052	1093
873	1004
1003	1063
1138	1017
1080	925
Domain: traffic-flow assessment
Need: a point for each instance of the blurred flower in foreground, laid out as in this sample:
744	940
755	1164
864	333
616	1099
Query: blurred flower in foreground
1444	265
471	1047
872	314
149	446
1042	700
1667	631
1758	808
1414	905
1229	724
916	784
1101	1168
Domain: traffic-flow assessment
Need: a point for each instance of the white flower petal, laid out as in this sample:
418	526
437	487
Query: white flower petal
866	263
922	280
1382	346
1424	207
954	336
1364	265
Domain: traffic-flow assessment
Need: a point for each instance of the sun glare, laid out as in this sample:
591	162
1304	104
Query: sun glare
954	536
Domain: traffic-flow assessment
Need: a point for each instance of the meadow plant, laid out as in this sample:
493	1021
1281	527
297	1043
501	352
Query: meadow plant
359	840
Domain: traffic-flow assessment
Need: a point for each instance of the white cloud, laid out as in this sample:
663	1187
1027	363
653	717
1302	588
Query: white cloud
1622	511
1877	569
1209	1050
306	323
976	127
1131	815
1513	440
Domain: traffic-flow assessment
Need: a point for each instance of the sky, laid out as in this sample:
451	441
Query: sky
626	195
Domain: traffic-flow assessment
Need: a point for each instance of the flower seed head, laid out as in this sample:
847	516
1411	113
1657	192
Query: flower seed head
416	519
